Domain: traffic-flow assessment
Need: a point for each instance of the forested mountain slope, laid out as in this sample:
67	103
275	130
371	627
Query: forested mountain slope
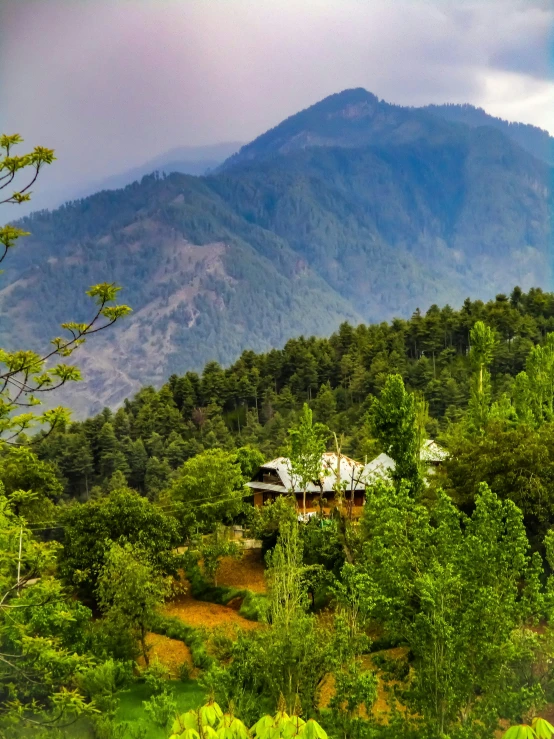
353	209
255	400
535	140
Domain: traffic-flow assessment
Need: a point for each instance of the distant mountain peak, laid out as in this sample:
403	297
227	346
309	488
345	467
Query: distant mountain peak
349	119
352	104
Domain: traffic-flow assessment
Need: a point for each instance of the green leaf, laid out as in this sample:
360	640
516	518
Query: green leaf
520	732
543	729
293	727
312	730
210	714
262	726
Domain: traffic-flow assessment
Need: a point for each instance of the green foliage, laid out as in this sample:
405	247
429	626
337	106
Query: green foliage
161	708
394	423
44	635
130	590
450	586
540	729
266	522
210	721
254	606
516	462
306	445
481	354
122	517
103	681
212	485
30	484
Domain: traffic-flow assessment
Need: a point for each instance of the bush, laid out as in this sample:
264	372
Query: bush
254	606
104	727
161	708
221	644
184	671
102	682
155	676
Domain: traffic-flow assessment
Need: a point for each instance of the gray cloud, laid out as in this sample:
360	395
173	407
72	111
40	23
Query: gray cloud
112	83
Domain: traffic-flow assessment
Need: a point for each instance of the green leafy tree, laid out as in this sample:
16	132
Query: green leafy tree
211	484
213	549
21	470
44	635
459	591
250	460
534	388
130	591
483	342
122	517
394	424
306	446
516	463
156	477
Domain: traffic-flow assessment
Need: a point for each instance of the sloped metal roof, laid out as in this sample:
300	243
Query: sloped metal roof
432	452
350	470
267	487
357	475
378	469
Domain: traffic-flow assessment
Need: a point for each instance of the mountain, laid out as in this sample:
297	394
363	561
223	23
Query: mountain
353	209
348	119
531	138
195	160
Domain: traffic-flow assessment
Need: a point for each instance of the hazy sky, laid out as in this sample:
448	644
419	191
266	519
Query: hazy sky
111	83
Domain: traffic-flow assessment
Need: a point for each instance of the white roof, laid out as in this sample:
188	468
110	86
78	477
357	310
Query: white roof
432	452
356	475
378	469
350	470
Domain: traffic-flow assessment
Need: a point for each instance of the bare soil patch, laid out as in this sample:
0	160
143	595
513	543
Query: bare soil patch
246	573
206	615
170	652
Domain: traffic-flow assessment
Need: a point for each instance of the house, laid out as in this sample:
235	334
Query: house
431	454
274	478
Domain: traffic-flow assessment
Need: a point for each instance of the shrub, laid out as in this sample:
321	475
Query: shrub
155	676
184	671
102	682
254	606
161	708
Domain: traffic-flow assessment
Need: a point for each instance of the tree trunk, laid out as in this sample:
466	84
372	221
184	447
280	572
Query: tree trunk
144	647
304	503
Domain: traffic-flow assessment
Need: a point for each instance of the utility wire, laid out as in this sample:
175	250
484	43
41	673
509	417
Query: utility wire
45	525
